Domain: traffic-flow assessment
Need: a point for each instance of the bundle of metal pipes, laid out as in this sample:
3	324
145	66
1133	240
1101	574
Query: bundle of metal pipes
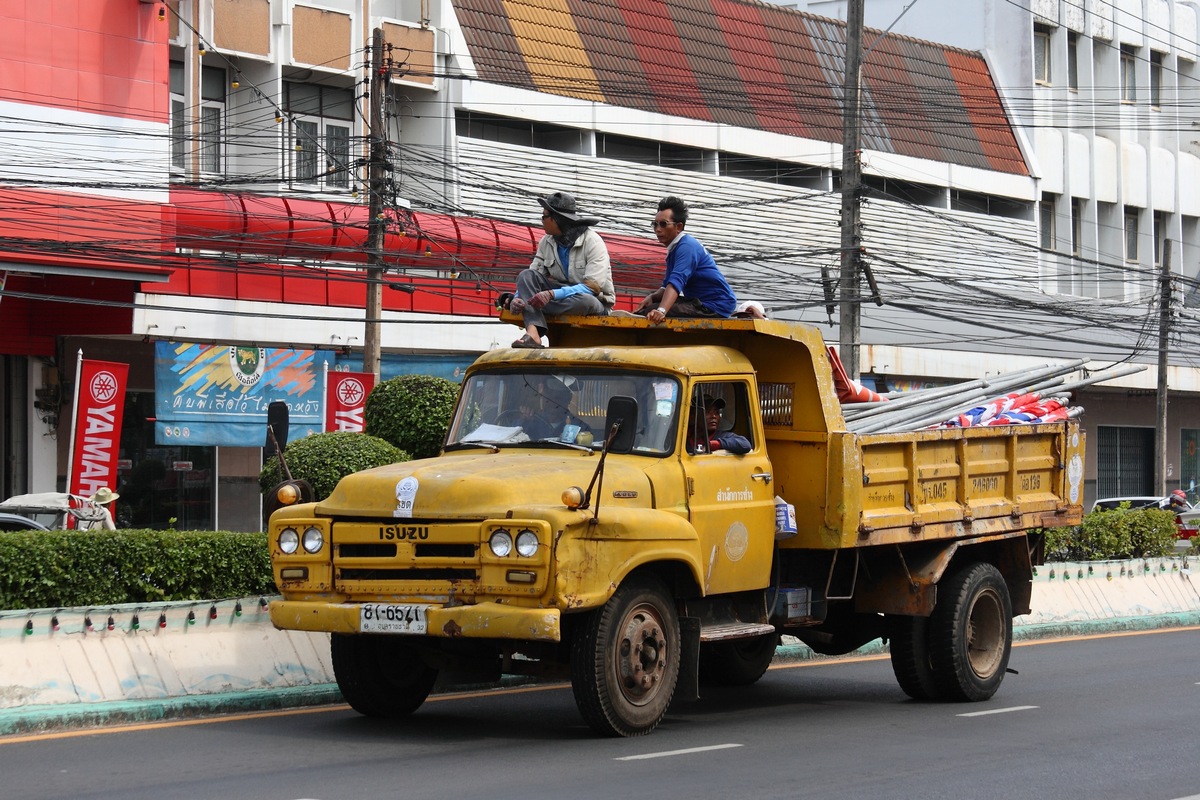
942	406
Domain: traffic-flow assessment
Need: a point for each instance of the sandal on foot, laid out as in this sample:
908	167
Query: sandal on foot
528	342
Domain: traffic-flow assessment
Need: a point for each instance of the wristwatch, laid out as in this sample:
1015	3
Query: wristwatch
663	310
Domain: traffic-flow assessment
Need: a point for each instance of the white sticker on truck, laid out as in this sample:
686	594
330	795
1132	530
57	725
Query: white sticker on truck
406	497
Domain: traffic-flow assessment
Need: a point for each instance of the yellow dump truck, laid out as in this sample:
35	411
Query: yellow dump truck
584	521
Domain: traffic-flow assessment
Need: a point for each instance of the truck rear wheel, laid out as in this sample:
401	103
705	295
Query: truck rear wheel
625	660
737	663
970	634
380	676
909	647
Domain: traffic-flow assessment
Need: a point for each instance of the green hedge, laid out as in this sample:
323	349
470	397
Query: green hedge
323	459
1117	534
68	569
412	412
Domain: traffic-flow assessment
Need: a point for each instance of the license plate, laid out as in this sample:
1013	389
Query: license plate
391	618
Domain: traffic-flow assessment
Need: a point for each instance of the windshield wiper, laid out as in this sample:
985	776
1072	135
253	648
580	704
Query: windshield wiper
495	448
572	445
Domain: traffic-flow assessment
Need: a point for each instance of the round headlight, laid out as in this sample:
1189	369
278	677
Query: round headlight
527	544
313	539
289	540
501	543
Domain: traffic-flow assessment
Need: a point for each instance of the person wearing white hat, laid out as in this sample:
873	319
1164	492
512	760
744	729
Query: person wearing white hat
96	514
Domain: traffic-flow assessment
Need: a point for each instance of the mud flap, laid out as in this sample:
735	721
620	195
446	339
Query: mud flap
688	686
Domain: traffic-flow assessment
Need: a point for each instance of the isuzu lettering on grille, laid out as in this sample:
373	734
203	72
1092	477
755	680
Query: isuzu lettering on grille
403	532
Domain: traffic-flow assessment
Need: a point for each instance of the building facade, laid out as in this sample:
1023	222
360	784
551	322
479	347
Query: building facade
1103	96
193	176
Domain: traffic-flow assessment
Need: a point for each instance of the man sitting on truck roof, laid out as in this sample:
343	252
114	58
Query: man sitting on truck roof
570	272
694	285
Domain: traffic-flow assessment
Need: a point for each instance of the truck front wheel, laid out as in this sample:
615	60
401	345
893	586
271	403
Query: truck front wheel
625	660
970	635
380	676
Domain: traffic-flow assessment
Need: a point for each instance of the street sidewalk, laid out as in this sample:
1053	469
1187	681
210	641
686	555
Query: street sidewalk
73	668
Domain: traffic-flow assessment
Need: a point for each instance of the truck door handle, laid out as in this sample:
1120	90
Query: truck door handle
765	477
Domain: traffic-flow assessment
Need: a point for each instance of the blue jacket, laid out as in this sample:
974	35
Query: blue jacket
694	273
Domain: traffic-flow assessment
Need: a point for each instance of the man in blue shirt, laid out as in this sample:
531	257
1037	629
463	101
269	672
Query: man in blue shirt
694	285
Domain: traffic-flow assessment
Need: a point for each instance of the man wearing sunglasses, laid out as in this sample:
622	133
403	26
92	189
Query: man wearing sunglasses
694	285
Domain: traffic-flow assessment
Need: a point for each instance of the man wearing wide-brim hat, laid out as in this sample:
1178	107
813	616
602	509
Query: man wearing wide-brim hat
96	514
570	272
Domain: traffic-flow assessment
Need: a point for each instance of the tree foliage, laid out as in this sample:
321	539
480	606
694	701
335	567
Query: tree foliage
323	459
412	412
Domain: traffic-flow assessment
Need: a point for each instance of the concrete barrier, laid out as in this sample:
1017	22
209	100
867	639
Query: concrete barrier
80	666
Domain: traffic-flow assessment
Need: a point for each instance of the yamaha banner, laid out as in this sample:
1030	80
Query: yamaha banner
96	438
346	399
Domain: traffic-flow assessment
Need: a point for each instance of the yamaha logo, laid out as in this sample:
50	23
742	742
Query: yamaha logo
350	392
103	386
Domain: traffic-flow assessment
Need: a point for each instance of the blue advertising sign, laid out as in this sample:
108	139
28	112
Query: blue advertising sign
393	365
207	394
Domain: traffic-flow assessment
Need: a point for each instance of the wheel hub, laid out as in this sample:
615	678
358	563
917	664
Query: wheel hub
642	654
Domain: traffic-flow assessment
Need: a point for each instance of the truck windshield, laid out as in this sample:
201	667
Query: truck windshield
546	408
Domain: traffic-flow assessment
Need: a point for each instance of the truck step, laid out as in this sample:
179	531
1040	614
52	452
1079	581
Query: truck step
734	630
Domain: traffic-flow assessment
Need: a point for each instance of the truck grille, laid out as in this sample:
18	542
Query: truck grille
430	558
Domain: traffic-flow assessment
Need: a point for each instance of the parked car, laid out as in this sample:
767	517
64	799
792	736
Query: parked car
1187	519
16	522
50	510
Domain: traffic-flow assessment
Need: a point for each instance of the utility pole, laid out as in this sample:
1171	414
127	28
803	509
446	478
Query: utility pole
849	320
1164	328
376	183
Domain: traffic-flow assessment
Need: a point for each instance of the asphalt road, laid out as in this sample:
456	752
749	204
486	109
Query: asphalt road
1099	717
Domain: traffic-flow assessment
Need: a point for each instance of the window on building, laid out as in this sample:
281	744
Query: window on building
1131	233
1124	461
1076	226
1156	77
1160	236
1073	62
1049	237
1041	54
208	140
772	171
649	151
1128	74
319	142
1189	462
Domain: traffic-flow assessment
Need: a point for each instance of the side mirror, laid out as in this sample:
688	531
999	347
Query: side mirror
623	412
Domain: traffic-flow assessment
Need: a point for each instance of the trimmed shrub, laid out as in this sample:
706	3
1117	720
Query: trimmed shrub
323	459
412	412
61	569
1117	534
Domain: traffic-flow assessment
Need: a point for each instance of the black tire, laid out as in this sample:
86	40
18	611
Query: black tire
625	660
380	676
740	662
909	647
970	633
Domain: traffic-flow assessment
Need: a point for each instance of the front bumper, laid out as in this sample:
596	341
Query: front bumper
488	620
